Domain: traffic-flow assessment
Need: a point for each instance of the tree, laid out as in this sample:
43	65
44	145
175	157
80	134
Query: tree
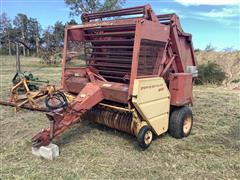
47	38
77	7
209	48
58	33
71	22
5	30
112	5
197	50
33	34
21	22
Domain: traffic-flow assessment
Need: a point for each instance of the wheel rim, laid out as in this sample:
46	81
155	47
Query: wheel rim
187	125
148	137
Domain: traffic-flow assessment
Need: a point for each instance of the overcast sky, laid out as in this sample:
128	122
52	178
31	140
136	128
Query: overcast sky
210	21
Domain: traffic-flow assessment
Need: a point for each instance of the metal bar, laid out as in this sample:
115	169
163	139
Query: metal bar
136	50
112	53
113	72
168	65
114	69
7	103
110	14
28	99
64	56
116	13
116	107
110	47
118	34
111	28
147	76
111	65
18	69
165	23
115	57
112	77
112	42
165	15
111	59
176	46
120	12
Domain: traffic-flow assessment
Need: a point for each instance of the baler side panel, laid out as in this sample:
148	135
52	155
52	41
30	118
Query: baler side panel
76	35
158	33
136	48
181	42
176	48
186	51
182	46
154	31
152	100
180	87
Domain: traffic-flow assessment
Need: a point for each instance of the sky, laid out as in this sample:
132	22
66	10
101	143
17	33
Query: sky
209	21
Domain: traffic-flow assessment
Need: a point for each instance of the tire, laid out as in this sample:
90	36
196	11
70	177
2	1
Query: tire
180	122
145	137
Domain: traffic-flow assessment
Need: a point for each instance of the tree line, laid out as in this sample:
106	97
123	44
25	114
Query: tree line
30	31
45	42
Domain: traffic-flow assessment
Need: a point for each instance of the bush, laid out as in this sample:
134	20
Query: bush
197	50
235	81
210	73
51	55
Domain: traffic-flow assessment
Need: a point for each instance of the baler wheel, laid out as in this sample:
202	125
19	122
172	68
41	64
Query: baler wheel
180	123
145	137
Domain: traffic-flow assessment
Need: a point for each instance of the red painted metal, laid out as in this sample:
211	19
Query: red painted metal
61	119
180	87
117	52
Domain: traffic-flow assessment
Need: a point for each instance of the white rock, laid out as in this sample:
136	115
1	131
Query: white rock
35	151
48	152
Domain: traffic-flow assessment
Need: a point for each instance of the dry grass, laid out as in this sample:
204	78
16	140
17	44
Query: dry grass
91	151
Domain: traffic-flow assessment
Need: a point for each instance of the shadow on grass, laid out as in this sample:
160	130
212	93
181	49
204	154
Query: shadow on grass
76	132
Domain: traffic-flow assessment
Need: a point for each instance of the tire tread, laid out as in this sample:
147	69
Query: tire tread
176	122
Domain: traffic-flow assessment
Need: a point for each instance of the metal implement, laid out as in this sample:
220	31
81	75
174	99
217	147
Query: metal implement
27	90
129	73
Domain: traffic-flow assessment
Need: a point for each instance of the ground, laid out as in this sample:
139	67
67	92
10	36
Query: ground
91	151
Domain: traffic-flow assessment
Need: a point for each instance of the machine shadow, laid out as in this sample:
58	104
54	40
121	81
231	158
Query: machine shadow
86	126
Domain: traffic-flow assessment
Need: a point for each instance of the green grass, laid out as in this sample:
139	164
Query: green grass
92	151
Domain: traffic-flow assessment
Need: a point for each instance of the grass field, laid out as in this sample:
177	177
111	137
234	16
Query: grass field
91	151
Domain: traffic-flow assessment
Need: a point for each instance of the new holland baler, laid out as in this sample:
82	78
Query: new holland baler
133	73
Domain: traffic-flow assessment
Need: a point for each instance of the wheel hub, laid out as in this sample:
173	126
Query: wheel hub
148	137
187	125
